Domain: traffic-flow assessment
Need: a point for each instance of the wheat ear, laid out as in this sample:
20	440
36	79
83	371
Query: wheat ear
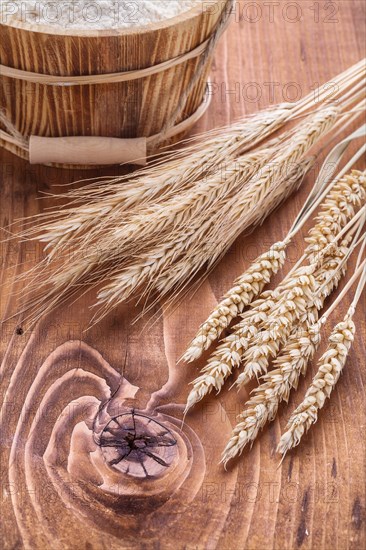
225	312
99	259
175	256
172	265
291	304
289	365
246	287
263	405
158	262
228	354
103	198
109	200
330	366
189	208
256	212
338	207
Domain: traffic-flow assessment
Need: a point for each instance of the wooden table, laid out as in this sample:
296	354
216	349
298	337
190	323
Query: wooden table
56	490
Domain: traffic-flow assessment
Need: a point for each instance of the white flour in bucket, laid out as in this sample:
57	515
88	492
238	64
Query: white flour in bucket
89	14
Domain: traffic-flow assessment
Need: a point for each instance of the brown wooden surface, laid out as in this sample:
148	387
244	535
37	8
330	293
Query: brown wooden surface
57	489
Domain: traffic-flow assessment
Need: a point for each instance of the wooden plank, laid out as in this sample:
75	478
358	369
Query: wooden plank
51	473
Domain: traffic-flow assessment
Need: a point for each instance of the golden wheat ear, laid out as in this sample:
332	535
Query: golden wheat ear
246	287
330	365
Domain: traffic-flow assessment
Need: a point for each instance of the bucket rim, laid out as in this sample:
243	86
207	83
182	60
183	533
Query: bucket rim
202	8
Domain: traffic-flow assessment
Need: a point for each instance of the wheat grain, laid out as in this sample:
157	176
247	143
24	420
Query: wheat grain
298	293
330	366
263	405
228	354
289	365
246	287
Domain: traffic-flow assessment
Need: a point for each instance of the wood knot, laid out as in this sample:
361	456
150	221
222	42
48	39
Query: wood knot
137	445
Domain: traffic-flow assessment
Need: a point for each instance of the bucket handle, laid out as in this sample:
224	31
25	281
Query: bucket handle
89	150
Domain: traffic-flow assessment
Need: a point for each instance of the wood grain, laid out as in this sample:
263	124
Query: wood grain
57	488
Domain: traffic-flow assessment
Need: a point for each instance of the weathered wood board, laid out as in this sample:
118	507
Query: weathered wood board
57	486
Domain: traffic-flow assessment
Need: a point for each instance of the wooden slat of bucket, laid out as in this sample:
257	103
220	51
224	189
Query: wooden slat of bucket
130	109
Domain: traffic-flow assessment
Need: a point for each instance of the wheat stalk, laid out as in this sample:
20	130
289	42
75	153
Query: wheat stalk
90	268
232	350
153	220
98	261
178	172
189	209
330	366
246	287
289	365
155	267
270	179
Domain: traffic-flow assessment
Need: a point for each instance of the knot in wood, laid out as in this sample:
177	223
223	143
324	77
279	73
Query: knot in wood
137	445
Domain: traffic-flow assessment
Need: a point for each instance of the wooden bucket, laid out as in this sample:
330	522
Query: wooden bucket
130	109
